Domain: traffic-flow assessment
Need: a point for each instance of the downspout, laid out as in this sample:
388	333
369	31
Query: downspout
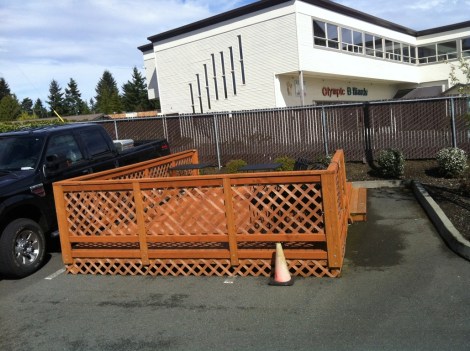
301	83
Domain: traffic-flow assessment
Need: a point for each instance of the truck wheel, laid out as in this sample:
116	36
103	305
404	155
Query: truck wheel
22	248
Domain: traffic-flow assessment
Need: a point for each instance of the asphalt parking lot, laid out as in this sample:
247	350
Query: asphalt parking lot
401	288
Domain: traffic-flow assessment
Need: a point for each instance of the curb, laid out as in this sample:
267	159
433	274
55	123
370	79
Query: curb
444	226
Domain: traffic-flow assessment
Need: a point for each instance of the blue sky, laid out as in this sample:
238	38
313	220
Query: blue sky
61	39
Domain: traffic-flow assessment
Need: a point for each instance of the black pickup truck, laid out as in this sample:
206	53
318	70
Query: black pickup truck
30	161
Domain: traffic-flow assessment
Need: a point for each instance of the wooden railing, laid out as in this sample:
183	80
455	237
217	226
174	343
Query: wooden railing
142	213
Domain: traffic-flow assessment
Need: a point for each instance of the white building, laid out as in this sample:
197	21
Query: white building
282	53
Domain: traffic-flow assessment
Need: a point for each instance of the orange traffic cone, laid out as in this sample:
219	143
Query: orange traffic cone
281	271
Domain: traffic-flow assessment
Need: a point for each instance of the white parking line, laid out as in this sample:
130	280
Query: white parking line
229	280
53	275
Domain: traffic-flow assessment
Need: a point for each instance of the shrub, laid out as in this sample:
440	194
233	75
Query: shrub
325	160
391	163
452	162
233	166
287	163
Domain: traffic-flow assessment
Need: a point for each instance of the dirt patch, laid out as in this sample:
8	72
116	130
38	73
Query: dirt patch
447	193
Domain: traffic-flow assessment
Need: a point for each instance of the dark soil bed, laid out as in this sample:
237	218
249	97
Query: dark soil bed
447	193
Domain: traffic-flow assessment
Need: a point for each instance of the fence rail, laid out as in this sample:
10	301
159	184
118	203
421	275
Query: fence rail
420	128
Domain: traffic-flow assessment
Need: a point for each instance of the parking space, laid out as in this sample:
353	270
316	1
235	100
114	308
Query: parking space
401	289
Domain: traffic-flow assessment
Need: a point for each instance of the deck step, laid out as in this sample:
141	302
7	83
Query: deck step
358	204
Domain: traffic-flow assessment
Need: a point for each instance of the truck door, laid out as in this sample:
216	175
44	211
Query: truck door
101	153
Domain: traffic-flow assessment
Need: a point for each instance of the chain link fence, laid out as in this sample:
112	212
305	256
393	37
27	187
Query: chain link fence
419	128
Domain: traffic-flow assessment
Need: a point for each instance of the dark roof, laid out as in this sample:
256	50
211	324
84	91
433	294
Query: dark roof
145	47
424	92
326	4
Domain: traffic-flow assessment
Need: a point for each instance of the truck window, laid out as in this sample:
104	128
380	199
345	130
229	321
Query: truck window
95	142
65	145
19	153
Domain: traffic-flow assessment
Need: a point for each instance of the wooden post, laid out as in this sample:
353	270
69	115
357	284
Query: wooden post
331	218
139	209
195	160
231	228
66	246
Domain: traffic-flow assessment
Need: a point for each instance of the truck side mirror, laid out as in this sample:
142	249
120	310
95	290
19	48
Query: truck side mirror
55	163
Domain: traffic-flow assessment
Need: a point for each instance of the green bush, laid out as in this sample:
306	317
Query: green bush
286	162
325	160
391	163
452	162
233	166
8	127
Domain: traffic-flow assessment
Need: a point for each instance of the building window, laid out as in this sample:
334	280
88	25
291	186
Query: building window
379	47
325	34
351	41
409	53
224	80
447	50
214	74
207	87
466	47
392	50
427	53
232	71
242	64
199	95
192	97
369	44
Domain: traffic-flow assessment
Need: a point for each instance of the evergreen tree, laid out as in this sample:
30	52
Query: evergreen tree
27	106
39	110
56	99
10	108
135	96
4	88
107	97
92	106
74	104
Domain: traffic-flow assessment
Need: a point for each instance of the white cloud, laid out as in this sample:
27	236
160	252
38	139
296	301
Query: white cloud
79	39
63	39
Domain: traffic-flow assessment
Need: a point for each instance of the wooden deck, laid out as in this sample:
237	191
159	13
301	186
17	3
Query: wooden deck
140	219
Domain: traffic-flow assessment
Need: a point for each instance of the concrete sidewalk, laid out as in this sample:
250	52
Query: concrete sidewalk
456	242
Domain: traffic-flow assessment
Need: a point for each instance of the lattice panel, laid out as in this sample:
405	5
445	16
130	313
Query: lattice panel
134	175
285	208
199	267
185	211
109	213
159	171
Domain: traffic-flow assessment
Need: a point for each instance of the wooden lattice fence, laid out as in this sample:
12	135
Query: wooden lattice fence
141	219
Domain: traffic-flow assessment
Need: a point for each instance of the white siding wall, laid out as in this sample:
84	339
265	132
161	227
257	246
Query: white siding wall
277	43
269	45
151	75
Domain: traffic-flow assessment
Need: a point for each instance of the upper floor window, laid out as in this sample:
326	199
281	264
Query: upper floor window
361	43
409	53
325	34
447	50
427	53
466	46
351	40
392	50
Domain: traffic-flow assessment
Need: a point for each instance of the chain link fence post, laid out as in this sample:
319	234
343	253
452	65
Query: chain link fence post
116	130
452	116
325	131
217	141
